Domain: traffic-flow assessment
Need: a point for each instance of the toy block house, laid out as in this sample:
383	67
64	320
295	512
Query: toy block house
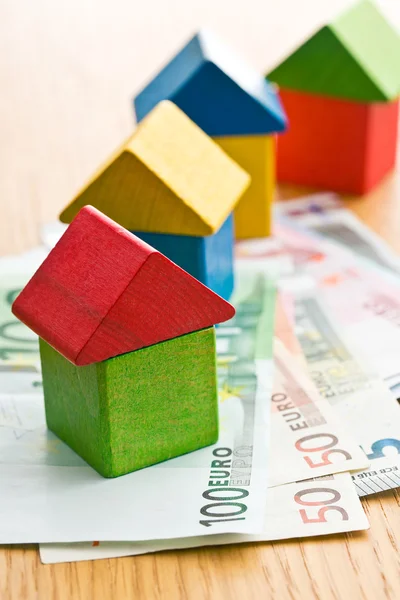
340	90
127	347
175	188
236	107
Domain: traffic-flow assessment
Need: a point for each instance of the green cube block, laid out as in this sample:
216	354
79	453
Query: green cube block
136	409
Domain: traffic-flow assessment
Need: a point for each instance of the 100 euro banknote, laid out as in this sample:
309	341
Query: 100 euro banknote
309	508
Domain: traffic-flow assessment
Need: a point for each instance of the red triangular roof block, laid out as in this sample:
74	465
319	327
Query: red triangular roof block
102	292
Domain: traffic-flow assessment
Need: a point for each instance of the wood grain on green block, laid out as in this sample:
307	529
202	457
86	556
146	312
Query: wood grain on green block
137	409
75	408
356	57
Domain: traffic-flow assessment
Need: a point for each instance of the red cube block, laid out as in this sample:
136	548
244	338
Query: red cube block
341	145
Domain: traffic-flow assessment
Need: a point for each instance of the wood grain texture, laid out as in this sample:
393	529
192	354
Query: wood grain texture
216	89
70	295
347	147
209	259
102	292
138	409
355	57
256	154
66	100
169	177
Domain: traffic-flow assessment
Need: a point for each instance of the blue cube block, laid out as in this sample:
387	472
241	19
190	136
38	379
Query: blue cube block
209	259
216	90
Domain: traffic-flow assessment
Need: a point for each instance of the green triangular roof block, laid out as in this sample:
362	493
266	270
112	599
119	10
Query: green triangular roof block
356	57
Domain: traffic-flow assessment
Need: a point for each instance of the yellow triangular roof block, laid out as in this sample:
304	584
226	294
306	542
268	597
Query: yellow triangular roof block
169	177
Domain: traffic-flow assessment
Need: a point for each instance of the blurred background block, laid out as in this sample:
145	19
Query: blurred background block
68	72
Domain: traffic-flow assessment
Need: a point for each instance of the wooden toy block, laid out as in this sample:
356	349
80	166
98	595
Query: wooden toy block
345	146
137	409
235	106
356	57
102	292
209	259
216	89
168	178
171	179
340	89
256	154
381	149
127	347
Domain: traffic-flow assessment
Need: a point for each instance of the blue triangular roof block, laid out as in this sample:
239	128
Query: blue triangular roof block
216	89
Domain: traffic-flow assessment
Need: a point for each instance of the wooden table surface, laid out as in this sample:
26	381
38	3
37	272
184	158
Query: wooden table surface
68	71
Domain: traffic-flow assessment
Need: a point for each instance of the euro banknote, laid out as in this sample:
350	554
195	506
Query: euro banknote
359	397
18	345
284	327
307	438
315	507
325	214
359	333
363	299
19	348
321	506
310	508
218	489
305	207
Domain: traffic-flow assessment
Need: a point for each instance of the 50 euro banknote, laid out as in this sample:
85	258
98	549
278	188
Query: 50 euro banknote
354	391
307	437
348	322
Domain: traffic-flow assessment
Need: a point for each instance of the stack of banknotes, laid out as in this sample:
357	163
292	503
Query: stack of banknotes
309	380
